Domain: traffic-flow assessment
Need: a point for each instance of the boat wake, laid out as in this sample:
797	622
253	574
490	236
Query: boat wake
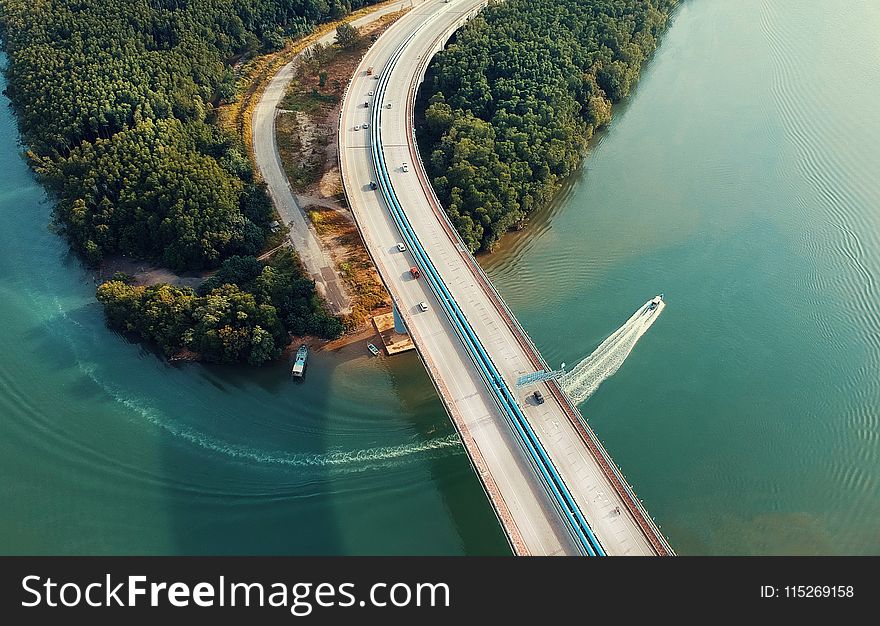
584	379
340	461
334	460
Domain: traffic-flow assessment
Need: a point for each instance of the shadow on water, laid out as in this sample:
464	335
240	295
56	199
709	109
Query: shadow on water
258	501
464	501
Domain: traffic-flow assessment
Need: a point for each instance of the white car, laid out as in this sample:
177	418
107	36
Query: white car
401	247
371	93
388	106
423	306
365	125
357	127
405	167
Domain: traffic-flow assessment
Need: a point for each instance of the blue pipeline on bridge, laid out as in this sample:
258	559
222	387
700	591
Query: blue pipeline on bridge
591	441
577	525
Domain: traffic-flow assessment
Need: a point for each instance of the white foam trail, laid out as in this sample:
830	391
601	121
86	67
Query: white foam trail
345	461
584	379
339	461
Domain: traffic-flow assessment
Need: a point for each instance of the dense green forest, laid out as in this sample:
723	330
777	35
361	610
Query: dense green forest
510	105
116	101
241	314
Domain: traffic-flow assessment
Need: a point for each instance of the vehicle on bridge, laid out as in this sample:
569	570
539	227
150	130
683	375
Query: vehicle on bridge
373	184
539	448
401	246
370	71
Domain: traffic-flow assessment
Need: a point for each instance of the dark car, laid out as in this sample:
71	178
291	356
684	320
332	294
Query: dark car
373	185
538	396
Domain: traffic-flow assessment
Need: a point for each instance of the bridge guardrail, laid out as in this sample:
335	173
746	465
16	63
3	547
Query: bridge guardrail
553	482
612	471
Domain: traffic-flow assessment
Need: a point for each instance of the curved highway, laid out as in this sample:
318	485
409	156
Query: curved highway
553	486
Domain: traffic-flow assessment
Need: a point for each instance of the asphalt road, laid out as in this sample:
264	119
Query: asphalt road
526	511
315	257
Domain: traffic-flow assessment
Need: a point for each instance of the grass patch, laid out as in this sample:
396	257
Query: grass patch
303	163
308	102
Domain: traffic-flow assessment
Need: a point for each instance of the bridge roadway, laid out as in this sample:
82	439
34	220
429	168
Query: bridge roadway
529	513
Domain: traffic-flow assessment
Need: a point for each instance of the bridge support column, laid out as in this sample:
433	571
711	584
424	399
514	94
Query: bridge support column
399	326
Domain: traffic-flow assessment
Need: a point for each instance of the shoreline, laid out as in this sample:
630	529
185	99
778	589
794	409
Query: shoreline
594	118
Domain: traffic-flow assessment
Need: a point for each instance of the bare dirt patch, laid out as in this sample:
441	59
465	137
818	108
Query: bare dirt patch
353	264
145	274
307	142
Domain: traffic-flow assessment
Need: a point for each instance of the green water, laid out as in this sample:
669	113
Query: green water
740	179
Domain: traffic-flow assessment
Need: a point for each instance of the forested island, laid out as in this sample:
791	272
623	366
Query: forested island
511	104
117	102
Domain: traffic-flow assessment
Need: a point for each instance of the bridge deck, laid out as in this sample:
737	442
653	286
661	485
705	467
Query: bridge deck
531	519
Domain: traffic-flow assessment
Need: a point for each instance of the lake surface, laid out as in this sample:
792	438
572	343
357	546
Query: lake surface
740	179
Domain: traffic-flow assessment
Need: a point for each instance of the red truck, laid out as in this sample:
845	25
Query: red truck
414	272
370	71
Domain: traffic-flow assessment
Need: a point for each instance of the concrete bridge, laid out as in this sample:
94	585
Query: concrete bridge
553	486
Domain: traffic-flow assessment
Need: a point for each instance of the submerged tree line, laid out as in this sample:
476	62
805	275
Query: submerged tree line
511	104
116	101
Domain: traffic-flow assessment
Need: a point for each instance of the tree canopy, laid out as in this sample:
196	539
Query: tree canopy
112	98
347	36
511	104
244	313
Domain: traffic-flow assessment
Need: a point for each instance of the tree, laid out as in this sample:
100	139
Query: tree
230	327
273	39
347	36
236	270
227	90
